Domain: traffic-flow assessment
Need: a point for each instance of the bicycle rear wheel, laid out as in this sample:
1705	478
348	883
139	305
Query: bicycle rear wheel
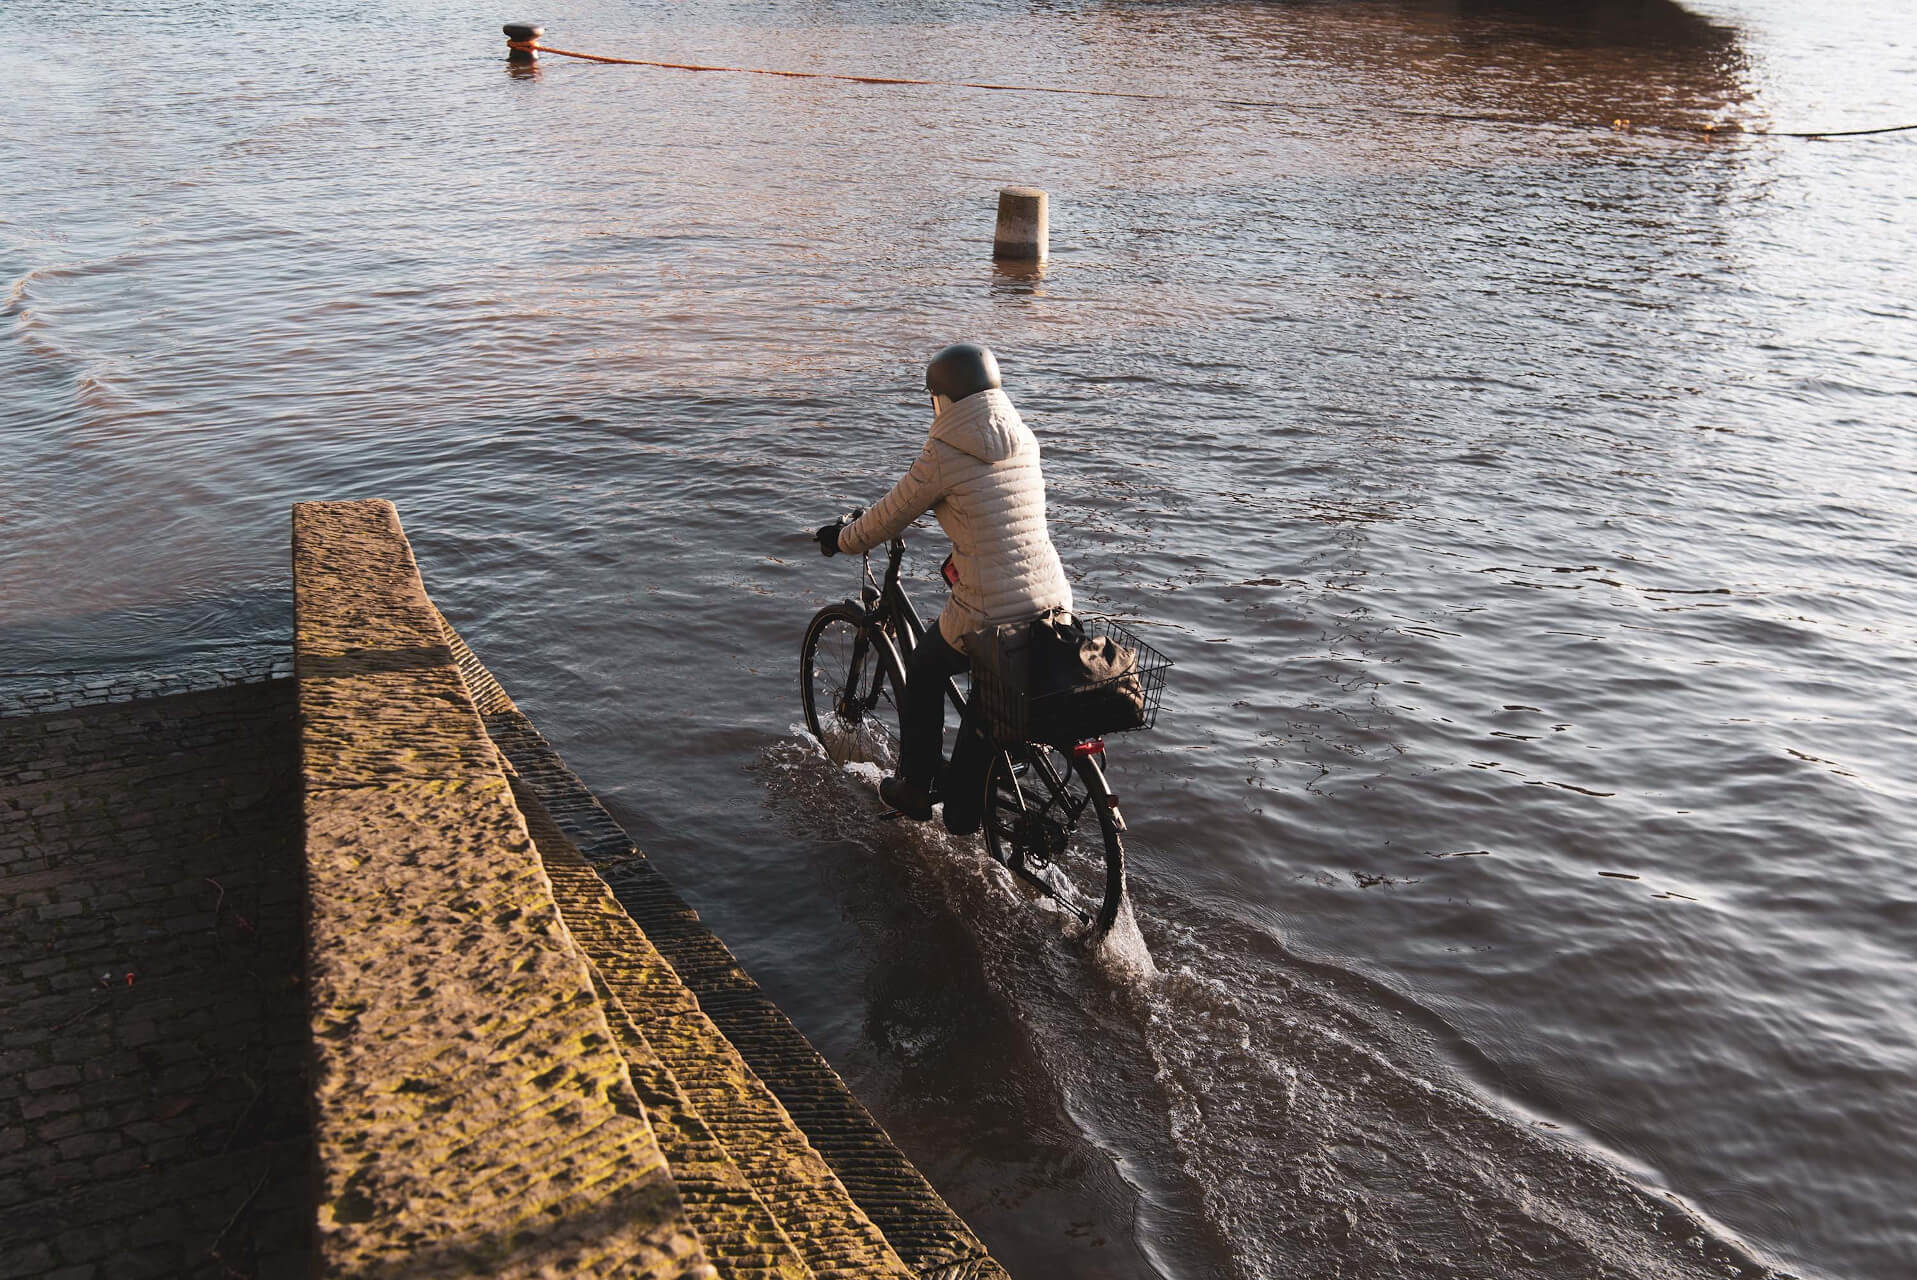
852	688
1048	817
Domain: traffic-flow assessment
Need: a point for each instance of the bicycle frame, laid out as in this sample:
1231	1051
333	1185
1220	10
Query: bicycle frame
1031	800
891	610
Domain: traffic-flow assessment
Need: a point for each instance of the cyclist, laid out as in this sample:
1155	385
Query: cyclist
979	474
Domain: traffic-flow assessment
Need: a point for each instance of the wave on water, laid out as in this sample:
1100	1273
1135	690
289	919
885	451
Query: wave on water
1277	1117
1327	1135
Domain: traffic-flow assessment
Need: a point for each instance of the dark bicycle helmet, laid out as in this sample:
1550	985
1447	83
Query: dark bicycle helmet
962	369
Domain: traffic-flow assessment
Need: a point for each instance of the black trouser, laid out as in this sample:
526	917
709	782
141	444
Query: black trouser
922	735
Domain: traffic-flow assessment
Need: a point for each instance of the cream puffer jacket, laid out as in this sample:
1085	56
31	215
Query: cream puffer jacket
979	474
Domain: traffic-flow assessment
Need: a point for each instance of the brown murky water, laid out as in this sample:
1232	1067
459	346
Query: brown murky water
1528	504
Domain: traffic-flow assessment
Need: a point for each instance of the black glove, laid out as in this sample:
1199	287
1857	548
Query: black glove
828	536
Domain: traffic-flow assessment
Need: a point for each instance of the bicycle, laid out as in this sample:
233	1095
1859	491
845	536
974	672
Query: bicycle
1036	795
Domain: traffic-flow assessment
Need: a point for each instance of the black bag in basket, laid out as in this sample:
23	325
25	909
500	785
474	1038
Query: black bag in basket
1081	685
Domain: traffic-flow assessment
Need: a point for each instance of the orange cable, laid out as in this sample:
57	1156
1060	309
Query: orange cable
1705	130
829	75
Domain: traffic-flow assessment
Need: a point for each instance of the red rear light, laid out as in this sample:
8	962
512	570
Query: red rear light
1090	747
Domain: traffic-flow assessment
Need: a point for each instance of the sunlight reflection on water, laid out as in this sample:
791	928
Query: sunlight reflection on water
1539	494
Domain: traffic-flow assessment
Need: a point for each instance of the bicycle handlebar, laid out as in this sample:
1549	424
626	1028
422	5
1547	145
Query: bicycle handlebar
847	517
895	543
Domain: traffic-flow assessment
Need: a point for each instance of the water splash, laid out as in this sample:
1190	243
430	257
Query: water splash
1122	956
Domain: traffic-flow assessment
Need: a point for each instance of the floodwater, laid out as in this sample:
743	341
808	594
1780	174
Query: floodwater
1522	862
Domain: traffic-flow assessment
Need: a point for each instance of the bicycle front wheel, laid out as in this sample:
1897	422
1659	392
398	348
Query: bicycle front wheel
852	688
1048	818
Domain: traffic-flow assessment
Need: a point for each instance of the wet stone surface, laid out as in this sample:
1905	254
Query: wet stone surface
152	1109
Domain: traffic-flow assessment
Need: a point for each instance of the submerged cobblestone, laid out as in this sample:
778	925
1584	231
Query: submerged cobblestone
152	1110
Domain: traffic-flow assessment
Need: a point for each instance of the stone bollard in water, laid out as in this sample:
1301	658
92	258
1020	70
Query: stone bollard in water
1024	225
519	42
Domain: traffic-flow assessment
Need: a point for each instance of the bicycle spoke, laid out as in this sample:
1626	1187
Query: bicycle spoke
1035	797
1037	801
850	689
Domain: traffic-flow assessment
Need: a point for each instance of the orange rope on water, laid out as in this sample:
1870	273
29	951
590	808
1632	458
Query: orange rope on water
940	84
1837	133
1703	130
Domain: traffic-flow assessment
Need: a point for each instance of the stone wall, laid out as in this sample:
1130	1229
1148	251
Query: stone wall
743	1102
513	1075
490	1065
472	1111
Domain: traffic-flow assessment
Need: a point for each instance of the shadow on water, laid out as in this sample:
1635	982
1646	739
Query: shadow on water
1580	63
939	1048
1657	23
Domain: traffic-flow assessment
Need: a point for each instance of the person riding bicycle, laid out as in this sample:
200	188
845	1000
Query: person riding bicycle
979	474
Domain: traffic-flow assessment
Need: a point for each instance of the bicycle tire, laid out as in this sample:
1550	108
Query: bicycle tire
1038	800
852	687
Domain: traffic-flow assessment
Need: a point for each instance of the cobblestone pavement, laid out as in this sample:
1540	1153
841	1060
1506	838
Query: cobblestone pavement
152	1027
29	693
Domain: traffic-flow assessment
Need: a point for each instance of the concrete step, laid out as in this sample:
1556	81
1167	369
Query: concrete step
763	1200
782	1163
473	1112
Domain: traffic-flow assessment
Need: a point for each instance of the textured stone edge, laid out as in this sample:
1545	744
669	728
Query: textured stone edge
38	693
736	1213
830	1235
926	1233
473	1112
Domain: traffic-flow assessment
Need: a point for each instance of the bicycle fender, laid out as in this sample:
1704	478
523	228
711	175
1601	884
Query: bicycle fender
890	650
1105	796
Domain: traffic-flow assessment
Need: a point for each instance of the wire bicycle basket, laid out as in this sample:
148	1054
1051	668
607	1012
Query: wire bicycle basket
1024	690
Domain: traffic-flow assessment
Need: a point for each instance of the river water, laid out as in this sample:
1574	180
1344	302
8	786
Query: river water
1521	864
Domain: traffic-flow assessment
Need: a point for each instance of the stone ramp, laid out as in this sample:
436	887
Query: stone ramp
763	1200
511	1076
472	1111
654	950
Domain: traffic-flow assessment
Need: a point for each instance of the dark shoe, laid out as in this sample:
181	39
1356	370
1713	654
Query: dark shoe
908	798
959	821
